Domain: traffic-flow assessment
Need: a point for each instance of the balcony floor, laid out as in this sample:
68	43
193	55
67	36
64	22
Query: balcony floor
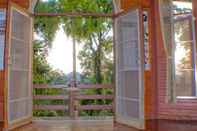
107	125
74	126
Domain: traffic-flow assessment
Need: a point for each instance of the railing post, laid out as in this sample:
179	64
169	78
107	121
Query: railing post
73	102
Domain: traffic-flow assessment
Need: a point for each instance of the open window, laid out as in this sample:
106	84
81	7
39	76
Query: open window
180	44
19	83
184	56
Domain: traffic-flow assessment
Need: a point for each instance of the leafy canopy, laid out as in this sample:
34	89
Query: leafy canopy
92	32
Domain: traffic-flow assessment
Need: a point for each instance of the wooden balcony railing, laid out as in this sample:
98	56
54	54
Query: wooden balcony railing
73	97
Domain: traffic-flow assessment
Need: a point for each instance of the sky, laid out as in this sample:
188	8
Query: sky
60	55
184	4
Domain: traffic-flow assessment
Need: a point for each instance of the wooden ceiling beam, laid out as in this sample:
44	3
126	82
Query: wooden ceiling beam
23	3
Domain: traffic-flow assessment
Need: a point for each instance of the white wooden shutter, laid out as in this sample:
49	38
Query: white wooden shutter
19	68
129	79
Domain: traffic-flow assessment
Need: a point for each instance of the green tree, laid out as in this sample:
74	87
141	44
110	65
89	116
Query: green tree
45	29
95	36
41	68
93	32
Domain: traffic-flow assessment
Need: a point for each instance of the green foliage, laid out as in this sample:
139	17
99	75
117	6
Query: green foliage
82	27
46	27
44	113
41	68
95	6
96	102
95	57
96	60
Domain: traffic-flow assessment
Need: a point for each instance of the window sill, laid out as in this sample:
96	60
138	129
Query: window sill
187	97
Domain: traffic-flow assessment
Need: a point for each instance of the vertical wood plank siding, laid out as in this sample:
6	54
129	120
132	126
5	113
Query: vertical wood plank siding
1	94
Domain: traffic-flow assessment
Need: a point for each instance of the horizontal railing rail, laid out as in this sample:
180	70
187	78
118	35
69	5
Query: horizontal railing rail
50	99
95	107
50	107
49	86
73	98
95	86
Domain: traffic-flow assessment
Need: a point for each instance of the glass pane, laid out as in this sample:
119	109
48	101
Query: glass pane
184	83
146	40
184	56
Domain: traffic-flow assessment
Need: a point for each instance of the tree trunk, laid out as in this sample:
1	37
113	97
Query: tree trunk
74	63
98	65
